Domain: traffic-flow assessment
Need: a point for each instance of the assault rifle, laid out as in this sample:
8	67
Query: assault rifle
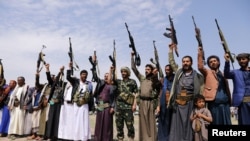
71	57
198	38
2	73
156	61
132	45
224	44
113	60
172	34
1	69
40	59
93	62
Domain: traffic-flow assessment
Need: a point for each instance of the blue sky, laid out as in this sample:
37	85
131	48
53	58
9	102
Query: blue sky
26	25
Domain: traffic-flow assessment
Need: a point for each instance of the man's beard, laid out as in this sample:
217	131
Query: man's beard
243	65
186	68
148	74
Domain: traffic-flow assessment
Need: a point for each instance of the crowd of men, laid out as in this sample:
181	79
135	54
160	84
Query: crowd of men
59	109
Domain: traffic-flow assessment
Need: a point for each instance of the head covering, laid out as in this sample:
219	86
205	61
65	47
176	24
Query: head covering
213	56
243	55
126	69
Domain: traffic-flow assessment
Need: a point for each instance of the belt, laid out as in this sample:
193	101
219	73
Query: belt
36	108
69	102
246	99
146	98
104	105
185	98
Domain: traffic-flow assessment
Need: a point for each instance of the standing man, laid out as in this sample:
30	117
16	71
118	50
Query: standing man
81	93
187	83
35	108
4	126
104	95
55	100
216	89
149	96
125	104
165	113
16	106
241	82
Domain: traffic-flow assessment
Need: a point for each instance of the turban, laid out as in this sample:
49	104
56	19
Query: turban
243	55
126	69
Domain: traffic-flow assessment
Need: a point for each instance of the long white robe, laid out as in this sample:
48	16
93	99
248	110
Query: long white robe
66	120
16	125
74	120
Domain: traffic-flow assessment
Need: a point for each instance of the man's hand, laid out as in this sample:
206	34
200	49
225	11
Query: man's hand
227	58
111	111
200	50
70	65
132	53
62	69
134	107
172	46
157	110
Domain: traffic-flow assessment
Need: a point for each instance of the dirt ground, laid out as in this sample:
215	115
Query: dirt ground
92	124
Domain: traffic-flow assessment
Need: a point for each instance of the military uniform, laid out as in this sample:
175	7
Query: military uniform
126	91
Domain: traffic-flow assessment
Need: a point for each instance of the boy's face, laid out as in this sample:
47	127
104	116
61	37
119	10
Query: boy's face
200	103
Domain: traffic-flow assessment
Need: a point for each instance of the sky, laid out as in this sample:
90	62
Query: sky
27	25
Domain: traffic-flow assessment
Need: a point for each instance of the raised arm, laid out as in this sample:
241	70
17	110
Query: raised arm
227	73
69	72
171	57
133	66
201	66
50	81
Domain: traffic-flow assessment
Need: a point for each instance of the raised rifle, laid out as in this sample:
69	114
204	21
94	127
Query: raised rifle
224	44
2	73
113	60
198	38
1	69
93	62
71	57
172	35
132	45
156	61
40	59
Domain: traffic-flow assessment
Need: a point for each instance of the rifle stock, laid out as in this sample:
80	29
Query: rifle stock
198	38
132	45
224	43
172	34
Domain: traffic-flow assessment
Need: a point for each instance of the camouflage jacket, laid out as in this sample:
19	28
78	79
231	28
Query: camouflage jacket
125	90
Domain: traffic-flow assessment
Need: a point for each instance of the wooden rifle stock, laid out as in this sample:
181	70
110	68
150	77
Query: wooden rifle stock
224	43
